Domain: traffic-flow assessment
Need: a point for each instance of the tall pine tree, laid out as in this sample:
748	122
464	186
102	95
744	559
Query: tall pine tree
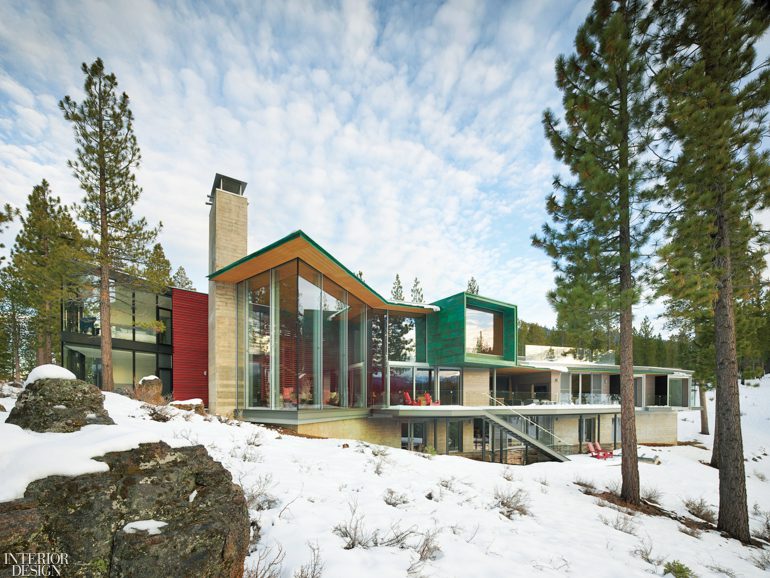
417	296
593	243
49	262
157	270
181	280
716	102
106	157
473	286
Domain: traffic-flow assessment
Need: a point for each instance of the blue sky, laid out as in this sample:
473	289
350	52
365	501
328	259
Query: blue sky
403	137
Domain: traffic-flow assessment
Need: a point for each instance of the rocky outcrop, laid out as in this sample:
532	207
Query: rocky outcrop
59	405
149	390
199	520
194	405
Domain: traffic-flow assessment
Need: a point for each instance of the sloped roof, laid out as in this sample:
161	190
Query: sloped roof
299	245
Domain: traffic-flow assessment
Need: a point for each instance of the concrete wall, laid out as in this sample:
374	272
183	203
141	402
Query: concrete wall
227	243
476	386
386	432
652	427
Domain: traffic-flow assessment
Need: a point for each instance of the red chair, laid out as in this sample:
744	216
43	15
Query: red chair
607	453
408	399
598	454
429	400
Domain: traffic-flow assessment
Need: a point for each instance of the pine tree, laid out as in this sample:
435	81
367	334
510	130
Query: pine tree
593	243
417	296
715	119
7	213
106	157
360	274
181	280
158	268
48	261
17	343
397	292
473	286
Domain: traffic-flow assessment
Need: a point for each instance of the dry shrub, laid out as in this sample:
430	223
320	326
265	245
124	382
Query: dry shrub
700	509
652	495
314	568
512	502
621	522
393	498
269	563
356	535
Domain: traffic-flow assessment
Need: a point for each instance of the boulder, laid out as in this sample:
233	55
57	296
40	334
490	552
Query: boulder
59	405
158	511
195	405
149	390
2	407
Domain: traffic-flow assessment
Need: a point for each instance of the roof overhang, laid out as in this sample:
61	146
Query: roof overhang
298	245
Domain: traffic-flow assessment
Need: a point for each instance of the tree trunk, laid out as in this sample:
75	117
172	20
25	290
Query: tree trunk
104	260
714	463
16	336
630	464
733	509
704	412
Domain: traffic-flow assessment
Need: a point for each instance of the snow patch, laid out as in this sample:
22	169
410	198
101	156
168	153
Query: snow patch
48	371
152	527
192	496
194	401
148	378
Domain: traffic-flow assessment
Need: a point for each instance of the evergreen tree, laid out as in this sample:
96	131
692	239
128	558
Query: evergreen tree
181	280
473	286
360	274
106	157
715	118
593	243
158	268
397	292
17	341
7	213
48	261
417	296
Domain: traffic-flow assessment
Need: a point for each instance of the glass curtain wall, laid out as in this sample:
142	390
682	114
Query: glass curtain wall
401	382
406	338
449	386
334	314
308	335
356	352
288	337
258	341
376	354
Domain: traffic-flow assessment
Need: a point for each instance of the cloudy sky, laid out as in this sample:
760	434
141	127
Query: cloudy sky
404	137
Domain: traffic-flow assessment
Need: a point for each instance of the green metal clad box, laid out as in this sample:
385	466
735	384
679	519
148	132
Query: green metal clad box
447	334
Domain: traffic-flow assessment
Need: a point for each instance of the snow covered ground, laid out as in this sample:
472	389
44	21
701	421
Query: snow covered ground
300	490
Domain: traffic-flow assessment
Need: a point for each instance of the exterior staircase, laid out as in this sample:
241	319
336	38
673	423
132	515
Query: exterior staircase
524	438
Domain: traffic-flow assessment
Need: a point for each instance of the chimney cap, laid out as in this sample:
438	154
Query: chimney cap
228	184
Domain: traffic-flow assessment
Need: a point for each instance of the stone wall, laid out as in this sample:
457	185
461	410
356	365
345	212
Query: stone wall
386	432
227	243
476	386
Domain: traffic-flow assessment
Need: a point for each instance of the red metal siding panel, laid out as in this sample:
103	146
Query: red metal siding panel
190	340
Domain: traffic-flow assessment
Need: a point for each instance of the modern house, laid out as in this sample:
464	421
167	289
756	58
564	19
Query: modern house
296	339
177	355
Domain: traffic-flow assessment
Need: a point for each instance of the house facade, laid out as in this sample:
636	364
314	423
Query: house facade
178	354
296	339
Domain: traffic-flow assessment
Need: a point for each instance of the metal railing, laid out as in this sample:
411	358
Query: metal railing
552	435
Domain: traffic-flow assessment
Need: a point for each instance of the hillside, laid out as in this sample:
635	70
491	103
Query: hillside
300	490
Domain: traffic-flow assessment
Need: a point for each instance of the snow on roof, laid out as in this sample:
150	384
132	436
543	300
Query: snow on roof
49	371
148	378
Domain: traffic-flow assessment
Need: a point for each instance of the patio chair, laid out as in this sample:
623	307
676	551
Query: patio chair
607	453
408	399
429	400
595	453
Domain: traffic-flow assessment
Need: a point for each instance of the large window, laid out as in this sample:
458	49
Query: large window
144	317
128	367
449	387
258	341
483	332
401	385
406	338
309	334
376	341
288	334
356	352
334	313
